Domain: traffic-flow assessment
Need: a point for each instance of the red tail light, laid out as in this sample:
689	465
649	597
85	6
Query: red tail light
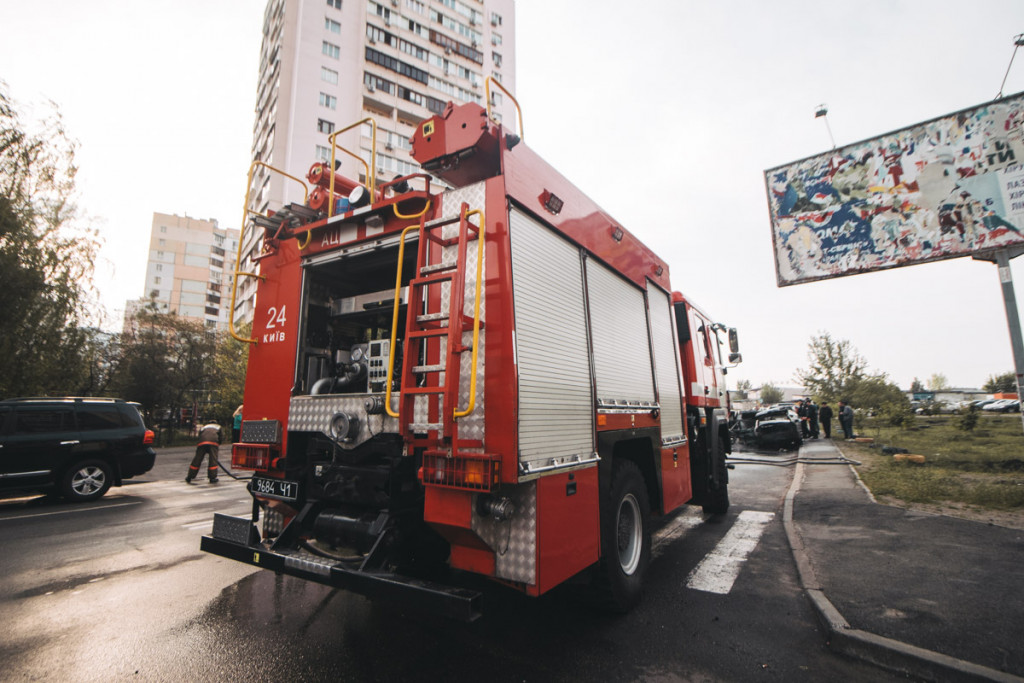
148	437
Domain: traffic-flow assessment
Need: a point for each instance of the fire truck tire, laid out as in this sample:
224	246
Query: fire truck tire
717	501
86	480
626	538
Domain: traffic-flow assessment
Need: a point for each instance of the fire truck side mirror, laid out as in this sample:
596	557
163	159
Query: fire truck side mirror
735	358
734	342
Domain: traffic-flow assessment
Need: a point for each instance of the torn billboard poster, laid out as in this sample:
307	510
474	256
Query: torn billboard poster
945	188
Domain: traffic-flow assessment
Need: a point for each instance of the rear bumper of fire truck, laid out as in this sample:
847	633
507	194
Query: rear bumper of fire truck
236	538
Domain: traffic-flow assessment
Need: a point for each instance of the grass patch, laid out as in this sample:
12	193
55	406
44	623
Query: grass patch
982	468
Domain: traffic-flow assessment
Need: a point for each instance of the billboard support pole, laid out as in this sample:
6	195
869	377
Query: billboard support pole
1002	259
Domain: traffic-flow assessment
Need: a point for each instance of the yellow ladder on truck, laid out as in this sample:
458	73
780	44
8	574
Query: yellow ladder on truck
432	354
433	339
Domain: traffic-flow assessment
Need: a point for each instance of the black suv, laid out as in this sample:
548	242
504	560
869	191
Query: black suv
78	446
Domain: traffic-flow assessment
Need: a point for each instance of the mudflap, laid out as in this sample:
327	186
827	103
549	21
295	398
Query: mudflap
236	538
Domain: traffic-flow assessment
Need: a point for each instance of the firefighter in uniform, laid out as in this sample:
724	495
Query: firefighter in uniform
209	441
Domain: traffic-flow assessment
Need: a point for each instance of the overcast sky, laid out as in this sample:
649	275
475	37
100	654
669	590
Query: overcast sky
666	112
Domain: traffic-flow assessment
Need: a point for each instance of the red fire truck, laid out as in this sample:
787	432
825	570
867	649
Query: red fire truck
487	374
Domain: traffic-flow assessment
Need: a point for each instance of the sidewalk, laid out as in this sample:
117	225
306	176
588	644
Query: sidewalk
936	597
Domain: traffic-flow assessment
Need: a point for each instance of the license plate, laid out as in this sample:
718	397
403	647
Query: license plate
281	489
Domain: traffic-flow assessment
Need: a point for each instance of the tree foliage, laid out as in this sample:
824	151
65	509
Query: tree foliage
167	362
1003	383
916	387
46	259
876	392
938	382
770	394
834	366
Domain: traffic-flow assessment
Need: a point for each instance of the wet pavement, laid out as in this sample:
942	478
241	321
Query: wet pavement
930	595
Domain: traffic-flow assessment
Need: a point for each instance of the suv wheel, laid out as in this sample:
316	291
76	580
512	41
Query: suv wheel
87	480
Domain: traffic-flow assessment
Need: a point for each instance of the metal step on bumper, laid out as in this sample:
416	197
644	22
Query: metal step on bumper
235	539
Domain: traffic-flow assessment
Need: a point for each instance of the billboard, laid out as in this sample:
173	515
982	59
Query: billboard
949	187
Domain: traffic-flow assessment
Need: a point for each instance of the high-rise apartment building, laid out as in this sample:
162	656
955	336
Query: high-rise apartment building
327	64
189	270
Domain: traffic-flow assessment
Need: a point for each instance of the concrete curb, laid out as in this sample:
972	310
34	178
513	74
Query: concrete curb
883	652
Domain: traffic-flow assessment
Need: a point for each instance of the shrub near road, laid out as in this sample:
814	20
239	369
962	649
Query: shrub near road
976	473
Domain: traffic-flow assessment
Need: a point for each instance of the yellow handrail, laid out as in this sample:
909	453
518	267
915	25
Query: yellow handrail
371	169
394	318
241	234
413	216
487	95
476	313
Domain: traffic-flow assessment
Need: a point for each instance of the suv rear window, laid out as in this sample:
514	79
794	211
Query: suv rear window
33	420
102	416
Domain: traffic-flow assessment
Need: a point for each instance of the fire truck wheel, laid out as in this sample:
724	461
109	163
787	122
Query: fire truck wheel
625	537
717	501
87	480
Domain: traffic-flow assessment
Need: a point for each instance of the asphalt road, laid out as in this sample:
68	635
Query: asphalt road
118	589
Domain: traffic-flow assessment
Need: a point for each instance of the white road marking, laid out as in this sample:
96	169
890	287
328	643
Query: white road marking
64	512
688	519
718	570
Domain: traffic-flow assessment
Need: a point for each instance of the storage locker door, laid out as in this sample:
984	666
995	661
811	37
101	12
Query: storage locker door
666	365
556	406
622	353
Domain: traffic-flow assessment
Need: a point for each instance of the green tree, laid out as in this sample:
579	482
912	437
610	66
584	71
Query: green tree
875	392
166	363
834	365
229	364
46	257
916	387
938	382
1003	383
770	394
743	387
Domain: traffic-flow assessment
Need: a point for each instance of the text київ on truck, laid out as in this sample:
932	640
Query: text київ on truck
494	377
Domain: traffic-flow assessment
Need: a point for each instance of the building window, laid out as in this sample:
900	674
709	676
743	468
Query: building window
329	101
415	6
159	254
495	39
324	126
332	25
495	19
163	228
159	267
163	242
336	4
328	75
156	280
323	153
497	59
331	50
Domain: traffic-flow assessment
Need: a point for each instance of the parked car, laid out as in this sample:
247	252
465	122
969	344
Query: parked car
1003	405
78	447
777	427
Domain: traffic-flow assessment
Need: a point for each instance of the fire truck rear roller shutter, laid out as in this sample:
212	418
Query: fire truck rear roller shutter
618	324
556	412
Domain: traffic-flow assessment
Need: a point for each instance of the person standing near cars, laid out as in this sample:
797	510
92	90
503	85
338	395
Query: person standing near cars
236	425
209	444
825	417
801	412
846	419
812	417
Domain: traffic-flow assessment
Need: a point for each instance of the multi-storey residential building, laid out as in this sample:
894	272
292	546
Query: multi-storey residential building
189	270
327	64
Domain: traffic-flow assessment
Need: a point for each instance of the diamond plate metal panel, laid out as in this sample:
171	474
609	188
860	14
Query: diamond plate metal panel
314	413
514	542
